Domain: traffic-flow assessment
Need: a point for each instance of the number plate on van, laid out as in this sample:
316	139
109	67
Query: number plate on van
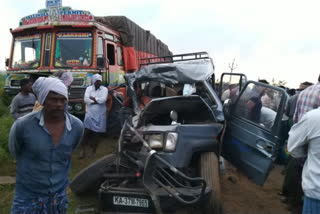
129	201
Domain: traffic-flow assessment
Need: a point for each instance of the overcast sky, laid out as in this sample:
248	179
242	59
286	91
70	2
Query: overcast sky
268	39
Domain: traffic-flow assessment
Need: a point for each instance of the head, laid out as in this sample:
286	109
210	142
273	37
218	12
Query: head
291	91
43	87
55	104
97	80
264	81
304	85
26	85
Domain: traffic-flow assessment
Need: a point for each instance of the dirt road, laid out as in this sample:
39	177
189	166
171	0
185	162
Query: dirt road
244	197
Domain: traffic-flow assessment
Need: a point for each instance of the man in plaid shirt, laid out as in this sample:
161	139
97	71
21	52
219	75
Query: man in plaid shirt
309	99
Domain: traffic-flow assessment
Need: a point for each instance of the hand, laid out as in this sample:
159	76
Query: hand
93	99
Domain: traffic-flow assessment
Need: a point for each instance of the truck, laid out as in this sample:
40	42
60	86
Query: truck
59	39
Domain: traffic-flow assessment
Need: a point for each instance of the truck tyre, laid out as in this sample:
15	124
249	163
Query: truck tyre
90	178
209	171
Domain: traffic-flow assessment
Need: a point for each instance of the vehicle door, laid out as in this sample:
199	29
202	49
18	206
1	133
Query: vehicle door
230	85
254	126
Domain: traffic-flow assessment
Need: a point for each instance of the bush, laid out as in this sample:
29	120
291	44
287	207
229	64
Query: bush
5	125
6	121
5	98
3	155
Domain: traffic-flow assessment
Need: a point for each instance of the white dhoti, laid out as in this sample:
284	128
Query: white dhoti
96	121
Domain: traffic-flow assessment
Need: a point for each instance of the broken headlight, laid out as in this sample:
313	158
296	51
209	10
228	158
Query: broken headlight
171	142
155	141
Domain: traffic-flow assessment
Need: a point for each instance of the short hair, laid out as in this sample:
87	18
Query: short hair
264	81
307	83
319	78
24	82
291	91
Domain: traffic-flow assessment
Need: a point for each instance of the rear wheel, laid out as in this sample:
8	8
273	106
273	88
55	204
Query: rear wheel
90	178
209	171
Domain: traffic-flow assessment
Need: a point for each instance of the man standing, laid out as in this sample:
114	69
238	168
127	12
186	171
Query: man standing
23	102
304	142
292	102
308	99
42	143
96	113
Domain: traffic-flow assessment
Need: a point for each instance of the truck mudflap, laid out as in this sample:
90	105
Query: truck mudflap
138	200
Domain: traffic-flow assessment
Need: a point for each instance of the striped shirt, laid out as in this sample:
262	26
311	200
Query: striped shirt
308	100
22	105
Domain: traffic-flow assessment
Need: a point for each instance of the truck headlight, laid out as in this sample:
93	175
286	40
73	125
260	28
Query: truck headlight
78	107
155	141
70	107
171	142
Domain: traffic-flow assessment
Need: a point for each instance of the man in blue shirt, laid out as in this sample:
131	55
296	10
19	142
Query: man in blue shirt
42	143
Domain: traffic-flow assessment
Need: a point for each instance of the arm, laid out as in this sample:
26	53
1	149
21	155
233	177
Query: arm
250	106
14	109
288	107
87	99
80	136
298	138
14	143
103	96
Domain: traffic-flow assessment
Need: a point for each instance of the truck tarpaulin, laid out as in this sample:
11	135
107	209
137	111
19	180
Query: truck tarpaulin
138	43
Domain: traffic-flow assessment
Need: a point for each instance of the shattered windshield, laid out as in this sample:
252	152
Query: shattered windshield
26	52
73	49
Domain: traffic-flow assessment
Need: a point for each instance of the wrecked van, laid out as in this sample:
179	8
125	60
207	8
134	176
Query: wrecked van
168	152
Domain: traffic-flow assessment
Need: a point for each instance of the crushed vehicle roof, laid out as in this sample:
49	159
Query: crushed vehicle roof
173	73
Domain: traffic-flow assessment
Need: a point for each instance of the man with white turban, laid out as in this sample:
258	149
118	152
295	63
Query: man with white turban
42	143
65	77
96	113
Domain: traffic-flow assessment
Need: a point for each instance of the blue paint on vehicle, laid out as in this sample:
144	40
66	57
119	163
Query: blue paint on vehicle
241	147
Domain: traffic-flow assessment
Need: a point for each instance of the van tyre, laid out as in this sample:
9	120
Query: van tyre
90	178
209	171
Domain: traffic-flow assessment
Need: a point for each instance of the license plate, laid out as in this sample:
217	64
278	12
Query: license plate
129	201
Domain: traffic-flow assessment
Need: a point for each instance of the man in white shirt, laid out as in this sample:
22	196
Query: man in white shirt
304	141
96	113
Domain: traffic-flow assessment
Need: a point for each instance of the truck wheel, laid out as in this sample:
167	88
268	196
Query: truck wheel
209	166
90	178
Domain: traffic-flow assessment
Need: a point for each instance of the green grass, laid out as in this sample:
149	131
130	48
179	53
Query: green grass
6	121
7	168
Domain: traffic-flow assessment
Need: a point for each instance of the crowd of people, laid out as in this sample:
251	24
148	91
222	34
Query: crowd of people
45	134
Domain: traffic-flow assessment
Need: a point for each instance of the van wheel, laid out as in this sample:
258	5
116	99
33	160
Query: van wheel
209	171
90	178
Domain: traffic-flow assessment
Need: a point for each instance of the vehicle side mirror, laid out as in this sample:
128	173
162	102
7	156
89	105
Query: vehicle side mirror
7	62
100	62
227	108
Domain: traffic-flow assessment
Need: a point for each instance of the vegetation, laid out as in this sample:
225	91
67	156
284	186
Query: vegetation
6	121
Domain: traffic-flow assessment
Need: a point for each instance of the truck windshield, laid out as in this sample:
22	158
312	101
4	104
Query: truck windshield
26	52
73	49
